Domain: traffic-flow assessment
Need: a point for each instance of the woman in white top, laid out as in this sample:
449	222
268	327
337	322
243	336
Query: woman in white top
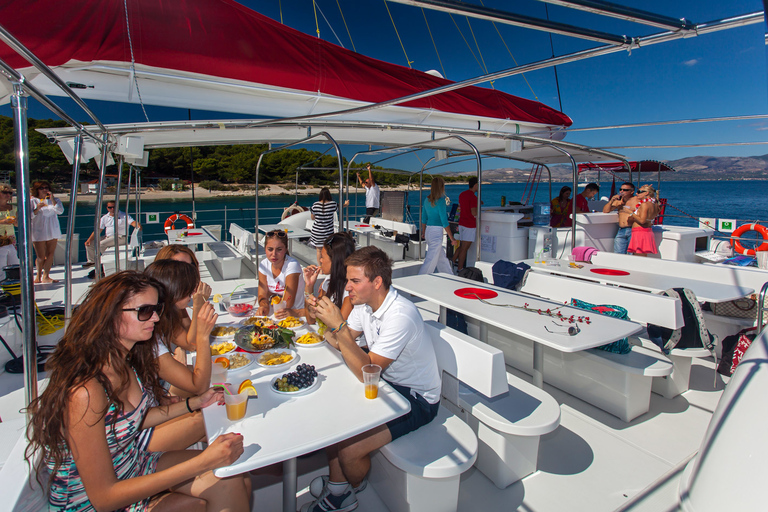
280	275
45	228
7	213
334	253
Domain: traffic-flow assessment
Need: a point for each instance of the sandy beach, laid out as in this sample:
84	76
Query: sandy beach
202	193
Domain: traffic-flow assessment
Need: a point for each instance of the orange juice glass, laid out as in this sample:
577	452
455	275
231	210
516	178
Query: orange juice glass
371	376
236	405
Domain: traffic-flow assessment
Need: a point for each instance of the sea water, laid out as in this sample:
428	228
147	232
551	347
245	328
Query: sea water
743	201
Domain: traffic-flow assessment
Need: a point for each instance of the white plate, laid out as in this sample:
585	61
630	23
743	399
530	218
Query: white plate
251	359
304	391
302	326
226	337
244	323
231	340
304	345
276	366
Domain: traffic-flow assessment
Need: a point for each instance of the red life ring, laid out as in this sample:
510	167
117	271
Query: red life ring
292	210
737	247
176	216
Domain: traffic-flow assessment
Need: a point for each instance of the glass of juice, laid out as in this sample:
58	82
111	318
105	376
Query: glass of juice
218	372
236	405
371	375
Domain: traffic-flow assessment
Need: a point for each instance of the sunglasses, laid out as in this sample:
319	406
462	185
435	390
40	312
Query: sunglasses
43	188
278	233
625	189
144	313
110	207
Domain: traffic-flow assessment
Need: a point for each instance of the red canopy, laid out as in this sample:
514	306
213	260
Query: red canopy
222	38
641	166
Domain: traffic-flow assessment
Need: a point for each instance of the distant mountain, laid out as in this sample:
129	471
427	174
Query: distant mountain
686	169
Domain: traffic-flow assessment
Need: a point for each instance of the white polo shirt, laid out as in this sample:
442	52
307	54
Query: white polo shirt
108	224
372	196
396	331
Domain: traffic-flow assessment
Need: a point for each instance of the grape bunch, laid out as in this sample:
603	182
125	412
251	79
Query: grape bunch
303	377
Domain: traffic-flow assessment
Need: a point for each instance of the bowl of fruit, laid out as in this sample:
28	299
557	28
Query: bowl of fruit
240	304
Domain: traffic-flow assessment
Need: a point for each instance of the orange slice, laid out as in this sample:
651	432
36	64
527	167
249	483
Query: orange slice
277	299
222	360
247	386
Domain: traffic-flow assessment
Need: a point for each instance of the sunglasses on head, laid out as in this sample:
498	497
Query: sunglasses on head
278	233
144	313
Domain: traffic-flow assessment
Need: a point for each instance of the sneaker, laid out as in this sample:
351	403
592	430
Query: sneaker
328	502
317	486
88	264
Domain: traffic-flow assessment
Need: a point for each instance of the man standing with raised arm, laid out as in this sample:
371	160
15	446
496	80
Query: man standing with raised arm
617	203
394	331
371	196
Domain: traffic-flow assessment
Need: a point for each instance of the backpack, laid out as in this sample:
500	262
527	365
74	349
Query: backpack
509	275
734	347
693	334
454	319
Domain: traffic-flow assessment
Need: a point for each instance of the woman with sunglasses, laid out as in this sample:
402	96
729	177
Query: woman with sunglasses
45	228
642	208
7	213
280	275
333	255
177	330
85	424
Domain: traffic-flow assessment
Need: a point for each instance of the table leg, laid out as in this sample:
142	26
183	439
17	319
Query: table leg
443	315
289	485
538	365
484	332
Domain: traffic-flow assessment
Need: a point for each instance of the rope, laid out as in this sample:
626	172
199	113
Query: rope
55	323
133	61
398	36
479	52
345	26
510	54
329	26
317	25
433	42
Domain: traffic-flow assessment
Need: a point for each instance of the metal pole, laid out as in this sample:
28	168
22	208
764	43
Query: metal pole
28	318
192	174
256	212
127	209
421	207
115	232
71	229
138	198
575	171
97	216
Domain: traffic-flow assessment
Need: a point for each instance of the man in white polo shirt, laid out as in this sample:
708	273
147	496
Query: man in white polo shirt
394	331
108	224
372	193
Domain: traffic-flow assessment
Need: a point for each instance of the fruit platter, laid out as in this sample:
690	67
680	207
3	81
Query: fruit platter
277	358
303	380
223	332
259	321
253	338
309	339
223	347
291	322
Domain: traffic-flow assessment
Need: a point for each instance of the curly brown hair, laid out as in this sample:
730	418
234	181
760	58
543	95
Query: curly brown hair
180	280
90	342
36	186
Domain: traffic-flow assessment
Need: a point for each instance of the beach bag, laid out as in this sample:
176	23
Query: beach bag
734	347
621	346
473	273
740	308
693	334
509	275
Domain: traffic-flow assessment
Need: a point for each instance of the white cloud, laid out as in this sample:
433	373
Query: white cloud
691	63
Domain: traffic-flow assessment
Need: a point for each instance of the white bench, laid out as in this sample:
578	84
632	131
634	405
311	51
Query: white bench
616	383
18	484
421	470
393	225
227	258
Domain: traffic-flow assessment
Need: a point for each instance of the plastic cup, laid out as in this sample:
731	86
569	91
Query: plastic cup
236	405
371	375
762	259
218	373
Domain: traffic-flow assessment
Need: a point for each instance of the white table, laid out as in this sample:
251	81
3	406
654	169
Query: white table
204	236
291	231
440	288
646	281
279	428
363	229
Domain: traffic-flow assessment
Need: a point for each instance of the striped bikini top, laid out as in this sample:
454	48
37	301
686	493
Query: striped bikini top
644	200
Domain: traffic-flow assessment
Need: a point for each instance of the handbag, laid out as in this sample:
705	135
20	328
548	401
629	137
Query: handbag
740	308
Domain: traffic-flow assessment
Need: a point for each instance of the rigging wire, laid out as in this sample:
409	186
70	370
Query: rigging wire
345	26
329	26
465	40
280	7
133	61
398	36
433	42
513	57
479	52
317	25
552	47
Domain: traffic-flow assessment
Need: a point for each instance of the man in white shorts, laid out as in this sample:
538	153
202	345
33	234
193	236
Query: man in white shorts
394	331
467	222
372	193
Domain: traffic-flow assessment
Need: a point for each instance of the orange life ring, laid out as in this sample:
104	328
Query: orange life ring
737	247
292	210
176	216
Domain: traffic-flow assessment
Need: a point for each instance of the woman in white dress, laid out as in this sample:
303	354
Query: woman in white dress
45	228
280	276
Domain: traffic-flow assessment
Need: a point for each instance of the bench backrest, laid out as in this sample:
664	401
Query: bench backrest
241	238
722	274
472	362
641	307
393	225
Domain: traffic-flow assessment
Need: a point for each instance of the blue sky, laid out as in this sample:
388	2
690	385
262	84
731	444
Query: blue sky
719	74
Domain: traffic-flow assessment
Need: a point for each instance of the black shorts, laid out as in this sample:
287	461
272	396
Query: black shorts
422	412
370	212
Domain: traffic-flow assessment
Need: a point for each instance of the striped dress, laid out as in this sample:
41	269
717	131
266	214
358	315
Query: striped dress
129	460
323	226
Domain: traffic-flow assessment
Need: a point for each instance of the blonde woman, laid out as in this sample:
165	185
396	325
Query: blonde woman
435	222
643	209
7	213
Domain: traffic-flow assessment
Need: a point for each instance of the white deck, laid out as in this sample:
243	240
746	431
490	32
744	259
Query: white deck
592	462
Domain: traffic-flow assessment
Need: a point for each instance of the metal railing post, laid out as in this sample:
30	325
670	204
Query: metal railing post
71	229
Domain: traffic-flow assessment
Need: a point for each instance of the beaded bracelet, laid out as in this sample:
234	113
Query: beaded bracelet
342	324
188	407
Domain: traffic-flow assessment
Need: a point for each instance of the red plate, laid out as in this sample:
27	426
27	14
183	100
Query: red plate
476	293
193	234
609	272
362	225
